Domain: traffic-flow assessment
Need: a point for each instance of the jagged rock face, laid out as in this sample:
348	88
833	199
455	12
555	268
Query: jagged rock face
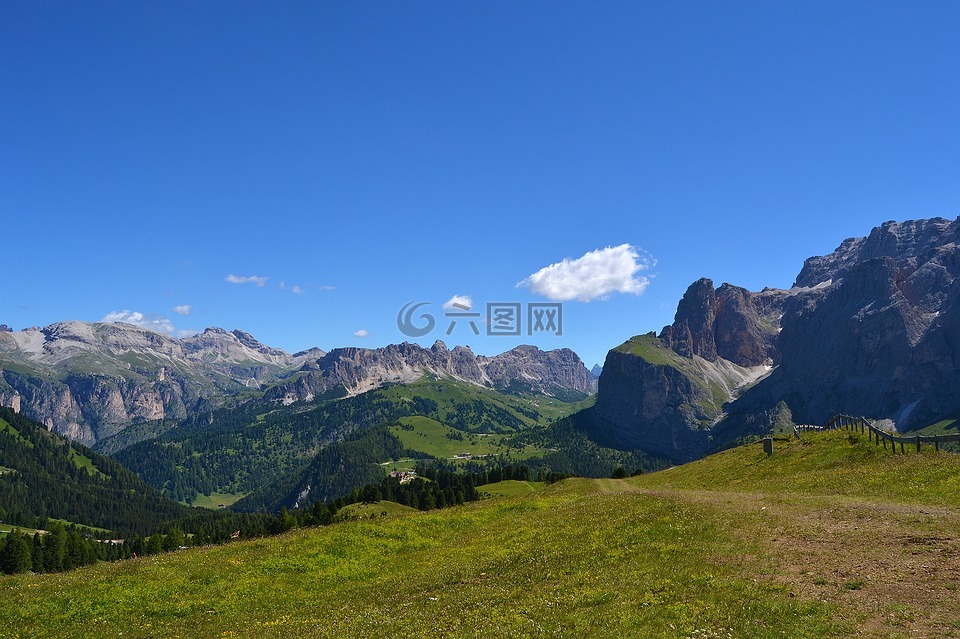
879	335
88	381
872	329
730	323
692	330
902	242
527	368
357	370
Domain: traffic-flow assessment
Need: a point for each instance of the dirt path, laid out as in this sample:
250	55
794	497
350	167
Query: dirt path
894	569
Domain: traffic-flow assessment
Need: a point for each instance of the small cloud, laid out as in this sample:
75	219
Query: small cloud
327	287
296	290
283	284
362	333
183	309
458	302
155	323
248	279
594	276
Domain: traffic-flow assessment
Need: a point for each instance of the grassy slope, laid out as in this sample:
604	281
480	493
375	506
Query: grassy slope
943	427
215	499
529	410
431	437
822	539
373	511
511	488
831	463
583	558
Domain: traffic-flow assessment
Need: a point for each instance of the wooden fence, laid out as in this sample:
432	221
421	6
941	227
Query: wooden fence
863	425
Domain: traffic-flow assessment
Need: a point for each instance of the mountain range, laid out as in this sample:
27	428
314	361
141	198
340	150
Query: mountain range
90	381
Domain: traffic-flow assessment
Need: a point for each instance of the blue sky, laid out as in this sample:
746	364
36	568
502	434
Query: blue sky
374	154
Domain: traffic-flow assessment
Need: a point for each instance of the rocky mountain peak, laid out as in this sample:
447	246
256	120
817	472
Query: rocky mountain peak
729	322
88	380
692	330
310	353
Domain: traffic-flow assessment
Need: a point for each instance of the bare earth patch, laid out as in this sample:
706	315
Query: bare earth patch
892	569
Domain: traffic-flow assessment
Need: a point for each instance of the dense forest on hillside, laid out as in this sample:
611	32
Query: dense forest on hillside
335	471
240	451
573	451
44	477
247	449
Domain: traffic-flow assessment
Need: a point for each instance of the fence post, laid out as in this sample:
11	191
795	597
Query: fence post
918	443
936	442
768	445
884	441
901	448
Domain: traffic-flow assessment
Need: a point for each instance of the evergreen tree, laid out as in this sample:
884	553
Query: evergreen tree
36	553
54	549
173	539
15	557
154	544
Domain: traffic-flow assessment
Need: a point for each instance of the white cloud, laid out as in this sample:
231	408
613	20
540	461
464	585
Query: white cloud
247	279
296	289
459	303
596	275
362	333
327	287
155	323
183	309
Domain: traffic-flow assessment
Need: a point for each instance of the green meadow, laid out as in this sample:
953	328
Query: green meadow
427	435
830	537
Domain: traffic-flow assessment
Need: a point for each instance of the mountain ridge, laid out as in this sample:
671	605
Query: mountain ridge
90	381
